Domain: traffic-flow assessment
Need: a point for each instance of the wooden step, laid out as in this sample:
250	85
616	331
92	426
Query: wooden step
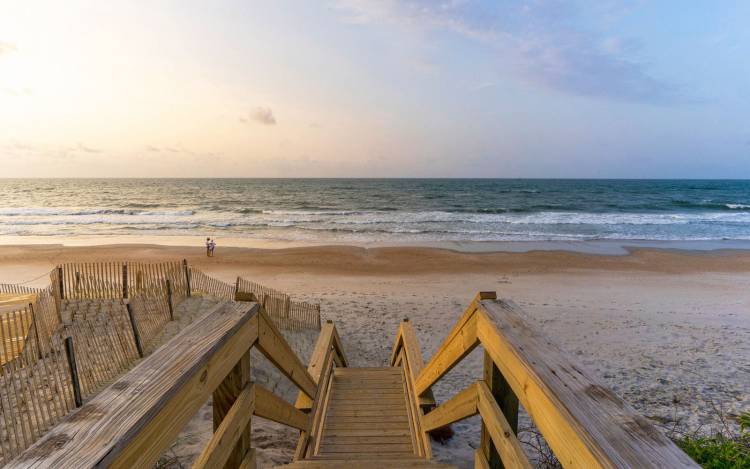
375	463
367	418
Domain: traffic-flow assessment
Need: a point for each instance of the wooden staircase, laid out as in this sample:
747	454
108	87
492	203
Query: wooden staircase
362	418
367	422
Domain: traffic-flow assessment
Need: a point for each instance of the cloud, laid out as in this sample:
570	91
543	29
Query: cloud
262	115
7	48
179	149
86	149
548	43
22	92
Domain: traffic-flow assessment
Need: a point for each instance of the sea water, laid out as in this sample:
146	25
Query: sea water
380	210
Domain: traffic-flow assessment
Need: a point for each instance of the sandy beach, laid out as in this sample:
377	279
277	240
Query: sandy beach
668	330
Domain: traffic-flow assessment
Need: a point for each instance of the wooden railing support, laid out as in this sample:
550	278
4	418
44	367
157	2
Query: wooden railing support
224	398
61	281
70	353
508	403
125	280
169	300
136	334
186	269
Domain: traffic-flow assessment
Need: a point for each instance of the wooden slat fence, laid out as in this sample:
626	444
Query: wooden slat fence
151	314
35	394
36	383
286	313
104	348
203	283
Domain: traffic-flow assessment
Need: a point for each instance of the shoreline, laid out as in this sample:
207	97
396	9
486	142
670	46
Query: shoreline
601	246
23	263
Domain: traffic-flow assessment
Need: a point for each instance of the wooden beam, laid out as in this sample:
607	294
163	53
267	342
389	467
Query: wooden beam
273	345
460	342
271	407
584	422
224	397
131	422
508	403
480	462
503	436
327	338
224	442
406	339
319	407
249	461
461	406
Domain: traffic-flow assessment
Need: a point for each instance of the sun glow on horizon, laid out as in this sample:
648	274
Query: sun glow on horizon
365	89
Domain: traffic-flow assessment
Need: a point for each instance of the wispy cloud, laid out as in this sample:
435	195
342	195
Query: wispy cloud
550	43
7	47
262	115
179	150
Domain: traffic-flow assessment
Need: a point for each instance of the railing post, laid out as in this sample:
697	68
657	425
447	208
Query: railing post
169	300
187	275
236	287
223	398
136	334
61	282
36	330
508	403
125	280
73	371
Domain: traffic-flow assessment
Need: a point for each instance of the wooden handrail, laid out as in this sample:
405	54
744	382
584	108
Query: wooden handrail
131	422
584	423
328	337
328	352
224	439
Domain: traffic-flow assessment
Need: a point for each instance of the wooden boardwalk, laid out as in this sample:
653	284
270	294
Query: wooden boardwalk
367	423
356	417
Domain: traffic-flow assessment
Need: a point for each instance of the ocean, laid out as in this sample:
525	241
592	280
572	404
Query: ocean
380	210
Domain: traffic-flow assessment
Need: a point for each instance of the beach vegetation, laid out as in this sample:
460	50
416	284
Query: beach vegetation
727	449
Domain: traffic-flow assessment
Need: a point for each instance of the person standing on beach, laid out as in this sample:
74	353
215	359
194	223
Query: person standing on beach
208	247
211	247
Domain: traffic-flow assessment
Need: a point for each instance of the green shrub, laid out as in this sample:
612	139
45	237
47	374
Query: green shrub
721	451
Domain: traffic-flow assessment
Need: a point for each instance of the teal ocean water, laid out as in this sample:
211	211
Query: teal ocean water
380	210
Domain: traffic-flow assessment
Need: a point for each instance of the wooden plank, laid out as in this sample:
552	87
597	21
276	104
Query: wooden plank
370	439
273	345
327	338
374	448
359	412
232	429
503	436
461	406
460	342
341	419
508	403
343	432
585	423
249	460
480	462
131	422
271	407
224	400
335	425
406	339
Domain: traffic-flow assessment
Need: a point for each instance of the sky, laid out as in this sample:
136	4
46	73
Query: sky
375	88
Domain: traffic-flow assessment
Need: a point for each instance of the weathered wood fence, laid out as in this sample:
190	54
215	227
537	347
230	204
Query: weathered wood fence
211	357
285	312
60	345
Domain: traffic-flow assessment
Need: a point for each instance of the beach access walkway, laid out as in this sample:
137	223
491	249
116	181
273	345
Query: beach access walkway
355	417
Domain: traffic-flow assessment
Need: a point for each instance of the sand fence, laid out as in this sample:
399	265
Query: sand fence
60	345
